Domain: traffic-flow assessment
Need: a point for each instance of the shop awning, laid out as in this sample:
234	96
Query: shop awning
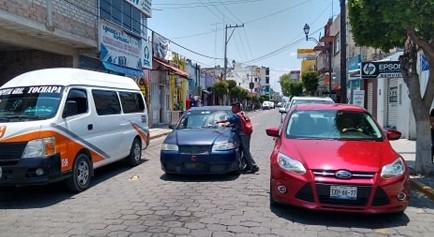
172	69
124	70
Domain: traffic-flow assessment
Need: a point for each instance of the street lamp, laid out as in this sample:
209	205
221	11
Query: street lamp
327	49
306	29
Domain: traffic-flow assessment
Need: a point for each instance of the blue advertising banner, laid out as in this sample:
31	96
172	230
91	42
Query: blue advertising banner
121	49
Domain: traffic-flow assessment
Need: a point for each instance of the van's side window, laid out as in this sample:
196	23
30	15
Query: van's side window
77	100
106	102
132	102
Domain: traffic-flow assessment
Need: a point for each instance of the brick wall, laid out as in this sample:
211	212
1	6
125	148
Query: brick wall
78	17
14	63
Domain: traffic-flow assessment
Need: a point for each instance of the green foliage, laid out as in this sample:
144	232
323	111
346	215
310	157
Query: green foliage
290	87
295	88
234	92
309	81
220	88
231	84
243	95
383	23
284	84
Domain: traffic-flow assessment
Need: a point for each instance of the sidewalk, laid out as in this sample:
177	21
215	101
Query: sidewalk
158	132
407	149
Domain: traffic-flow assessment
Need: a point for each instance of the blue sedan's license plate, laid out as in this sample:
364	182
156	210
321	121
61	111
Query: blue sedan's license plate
343	192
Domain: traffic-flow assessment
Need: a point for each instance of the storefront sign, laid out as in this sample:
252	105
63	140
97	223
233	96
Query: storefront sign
120	48
143	5
147	54
306	54
359	97
385	69
353	63
160	46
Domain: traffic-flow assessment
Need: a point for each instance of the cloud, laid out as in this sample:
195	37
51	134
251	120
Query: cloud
293	54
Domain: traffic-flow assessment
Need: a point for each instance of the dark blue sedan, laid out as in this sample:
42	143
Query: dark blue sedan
198	145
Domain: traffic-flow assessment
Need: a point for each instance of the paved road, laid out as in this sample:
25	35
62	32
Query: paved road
143	202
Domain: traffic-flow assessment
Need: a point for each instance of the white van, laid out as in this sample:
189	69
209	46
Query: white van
61	124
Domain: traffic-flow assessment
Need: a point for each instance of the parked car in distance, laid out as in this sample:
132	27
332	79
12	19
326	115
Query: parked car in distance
298	100
198	145
279	104
61	124
266	105
335	157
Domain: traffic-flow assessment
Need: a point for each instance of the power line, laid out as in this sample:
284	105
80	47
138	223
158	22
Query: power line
176	6
276	12
281	49
247	22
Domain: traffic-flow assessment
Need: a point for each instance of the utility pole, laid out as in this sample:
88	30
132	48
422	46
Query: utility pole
233	27
343	52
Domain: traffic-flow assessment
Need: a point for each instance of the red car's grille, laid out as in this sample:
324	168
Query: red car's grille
323	191
333	173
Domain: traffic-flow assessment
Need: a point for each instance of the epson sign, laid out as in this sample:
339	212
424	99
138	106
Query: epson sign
385	69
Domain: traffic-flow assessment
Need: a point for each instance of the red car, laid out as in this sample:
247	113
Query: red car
337	158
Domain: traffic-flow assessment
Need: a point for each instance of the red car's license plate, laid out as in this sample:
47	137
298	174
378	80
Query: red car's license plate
343	192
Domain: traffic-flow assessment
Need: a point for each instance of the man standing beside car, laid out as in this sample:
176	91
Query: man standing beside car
235	121
431	116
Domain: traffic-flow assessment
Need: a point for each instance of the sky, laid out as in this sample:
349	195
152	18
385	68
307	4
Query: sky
272	28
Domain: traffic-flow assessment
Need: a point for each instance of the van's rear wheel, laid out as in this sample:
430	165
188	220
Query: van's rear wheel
81	174
135	156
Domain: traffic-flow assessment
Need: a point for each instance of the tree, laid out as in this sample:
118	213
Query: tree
290	87
405	24
295	88
310	82
234	93
284	84
220	89
243	95
233	90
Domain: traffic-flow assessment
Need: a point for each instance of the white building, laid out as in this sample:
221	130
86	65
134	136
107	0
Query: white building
394	108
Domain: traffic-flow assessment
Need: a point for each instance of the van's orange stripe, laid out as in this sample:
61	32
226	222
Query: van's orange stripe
144	136
65	146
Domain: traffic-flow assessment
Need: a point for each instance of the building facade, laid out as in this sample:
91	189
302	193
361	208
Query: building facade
46	33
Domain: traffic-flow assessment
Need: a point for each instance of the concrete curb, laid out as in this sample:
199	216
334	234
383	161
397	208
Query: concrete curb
425	189
152	137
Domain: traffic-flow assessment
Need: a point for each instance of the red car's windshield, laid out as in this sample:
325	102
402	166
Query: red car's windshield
329	124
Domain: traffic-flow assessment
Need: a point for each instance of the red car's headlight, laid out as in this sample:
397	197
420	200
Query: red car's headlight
289	164
394	169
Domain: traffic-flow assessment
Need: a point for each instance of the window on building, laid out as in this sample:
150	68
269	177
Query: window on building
126	10
105	11
132	102
337	43
122	13
106	102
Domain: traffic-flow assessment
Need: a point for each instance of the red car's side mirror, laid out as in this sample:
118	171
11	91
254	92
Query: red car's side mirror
272	132
393	134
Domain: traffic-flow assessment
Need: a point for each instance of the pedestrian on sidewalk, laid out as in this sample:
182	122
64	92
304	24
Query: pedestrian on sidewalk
432	132
237	120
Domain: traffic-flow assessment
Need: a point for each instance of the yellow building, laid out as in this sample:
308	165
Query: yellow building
308	65
178	85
